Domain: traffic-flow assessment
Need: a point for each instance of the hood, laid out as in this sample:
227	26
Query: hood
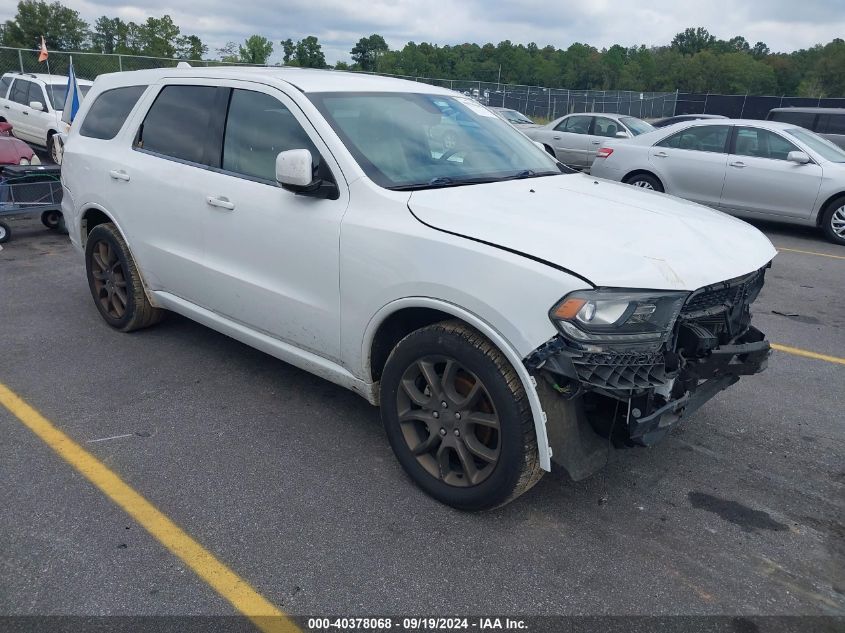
611	234
12	150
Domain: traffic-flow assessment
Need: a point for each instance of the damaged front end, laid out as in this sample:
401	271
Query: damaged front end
628	365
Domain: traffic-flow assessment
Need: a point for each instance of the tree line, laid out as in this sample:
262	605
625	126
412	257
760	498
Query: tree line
694	61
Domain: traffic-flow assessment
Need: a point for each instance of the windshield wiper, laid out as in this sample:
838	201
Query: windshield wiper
446	181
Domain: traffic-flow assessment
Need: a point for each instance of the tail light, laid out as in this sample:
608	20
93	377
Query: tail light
604	152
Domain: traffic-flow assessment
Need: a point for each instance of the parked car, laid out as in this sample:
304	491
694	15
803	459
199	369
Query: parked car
33	104
514	117
683	118
504	311
15	152
755	169
826	122
575	138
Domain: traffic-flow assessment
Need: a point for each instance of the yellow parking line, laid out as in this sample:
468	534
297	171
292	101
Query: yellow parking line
797	351
795	250
223	580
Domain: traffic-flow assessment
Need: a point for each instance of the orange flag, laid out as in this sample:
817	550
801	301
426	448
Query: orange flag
42	56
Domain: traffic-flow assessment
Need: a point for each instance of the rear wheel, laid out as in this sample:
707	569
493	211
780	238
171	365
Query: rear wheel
458	418
833	221
115	282
5	233
55	149
645	181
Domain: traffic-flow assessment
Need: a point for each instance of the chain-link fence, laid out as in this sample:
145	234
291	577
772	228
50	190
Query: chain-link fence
535	101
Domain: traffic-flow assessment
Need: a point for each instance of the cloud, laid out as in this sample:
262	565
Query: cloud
338	24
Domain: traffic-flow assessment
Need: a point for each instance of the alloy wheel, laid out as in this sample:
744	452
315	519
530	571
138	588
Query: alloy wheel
643	184
448	421
109	280
837	221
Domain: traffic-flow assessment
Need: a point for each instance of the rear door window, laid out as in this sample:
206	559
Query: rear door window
20	91
801	119
702	138
109	112
258	127
832	124
177	123
575	125
36	94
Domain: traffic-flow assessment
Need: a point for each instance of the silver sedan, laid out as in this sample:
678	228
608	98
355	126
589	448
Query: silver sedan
754	169
575	138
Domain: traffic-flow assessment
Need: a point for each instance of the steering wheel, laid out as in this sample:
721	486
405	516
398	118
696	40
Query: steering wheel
447	154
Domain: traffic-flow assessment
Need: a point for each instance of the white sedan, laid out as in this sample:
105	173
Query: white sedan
754	169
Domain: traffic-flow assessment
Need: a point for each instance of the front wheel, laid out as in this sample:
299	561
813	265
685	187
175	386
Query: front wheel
115	282
5	233
54	147
833	221
458	418
646	181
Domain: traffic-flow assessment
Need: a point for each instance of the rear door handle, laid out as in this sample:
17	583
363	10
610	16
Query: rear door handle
119	174
596	142
662	155
26	113
7	107
738	164
557	138
221	202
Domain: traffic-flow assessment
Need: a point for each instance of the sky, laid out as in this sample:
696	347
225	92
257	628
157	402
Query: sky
785	25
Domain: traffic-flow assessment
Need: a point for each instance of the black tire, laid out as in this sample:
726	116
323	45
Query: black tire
833	220
645	181
106	250
53	149
51	219
513	441
5	233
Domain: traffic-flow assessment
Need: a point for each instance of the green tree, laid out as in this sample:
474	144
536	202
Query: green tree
159	37
692	41
229	53
62	27
289	50
190	47
368	50
342	66
255	50
309	53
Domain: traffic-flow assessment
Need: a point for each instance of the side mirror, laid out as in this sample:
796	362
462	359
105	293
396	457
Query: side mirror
621	134
36	105
798	157
295	172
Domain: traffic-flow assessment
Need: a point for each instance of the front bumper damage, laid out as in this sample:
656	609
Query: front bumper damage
632	395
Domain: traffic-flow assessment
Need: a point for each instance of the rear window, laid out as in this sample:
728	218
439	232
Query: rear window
5	82
177	122
802	119
109	111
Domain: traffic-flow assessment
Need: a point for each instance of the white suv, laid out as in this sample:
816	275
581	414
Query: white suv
504	311
33	104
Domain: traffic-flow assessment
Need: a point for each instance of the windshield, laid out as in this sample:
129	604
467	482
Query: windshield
58	92
515	117
823	147
637	126
420	141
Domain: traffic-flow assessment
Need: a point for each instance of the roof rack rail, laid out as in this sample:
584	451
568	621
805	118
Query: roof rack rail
20	72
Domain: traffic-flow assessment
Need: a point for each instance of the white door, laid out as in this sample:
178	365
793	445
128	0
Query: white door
160	184
692	163
761	180
18	111
272	254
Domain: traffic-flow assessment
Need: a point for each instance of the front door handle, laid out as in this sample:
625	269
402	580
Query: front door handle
220	202
26	113
738	164
557	138
662	155
596	142
119	174
7	107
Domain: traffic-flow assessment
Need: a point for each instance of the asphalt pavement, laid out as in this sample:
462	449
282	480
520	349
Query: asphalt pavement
289	480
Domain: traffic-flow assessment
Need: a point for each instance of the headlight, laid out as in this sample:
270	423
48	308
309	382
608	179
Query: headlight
609	315
23	161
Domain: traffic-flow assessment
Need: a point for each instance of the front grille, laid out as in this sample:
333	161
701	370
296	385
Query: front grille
627	370
724	294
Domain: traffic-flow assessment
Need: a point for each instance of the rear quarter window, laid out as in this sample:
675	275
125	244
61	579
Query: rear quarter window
832	124
109	111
